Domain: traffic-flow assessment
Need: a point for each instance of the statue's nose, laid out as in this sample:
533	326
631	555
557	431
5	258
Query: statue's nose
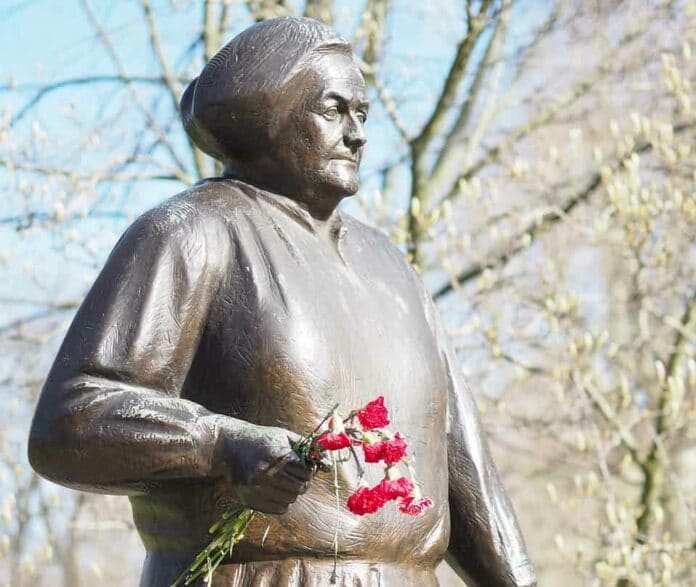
354	135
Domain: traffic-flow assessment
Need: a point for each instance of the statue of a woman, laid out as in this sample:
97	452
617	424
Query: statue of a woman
236	314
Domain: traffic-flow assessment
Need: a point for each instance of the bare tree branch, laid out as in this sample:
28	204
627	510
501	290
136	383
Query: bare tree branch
263	9
171	82
320	10
96	176
225	13
547	115
111	51
525	237
369	36
419	144
40	315
455	135
213	22
45	90
654	467
455	75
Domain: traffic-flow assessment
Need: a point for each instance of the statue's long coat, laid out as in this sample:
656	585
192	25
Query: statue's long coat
226	300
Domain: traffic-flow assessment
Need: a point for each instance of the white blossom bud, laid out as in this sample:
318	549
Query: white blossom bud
660	371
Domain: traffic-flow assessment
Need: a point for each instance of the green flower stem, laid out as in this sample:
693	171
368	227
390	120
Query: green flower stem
230	528
361	471
227	532
334	575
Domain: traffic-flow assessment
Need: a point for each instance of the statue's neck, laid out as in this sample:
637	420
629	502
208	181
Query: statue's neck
321	206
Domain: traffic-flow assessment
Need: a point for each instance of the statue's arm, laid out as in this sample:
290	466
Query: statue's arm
486	546
110	417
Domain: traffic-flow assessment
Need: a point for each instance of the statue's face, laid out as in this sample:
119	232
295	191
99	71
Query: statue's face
320	136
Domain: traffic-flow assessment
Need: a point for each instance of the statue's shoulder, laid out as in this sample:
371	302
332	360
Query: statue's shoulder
192	221
207	204
373	239
365	231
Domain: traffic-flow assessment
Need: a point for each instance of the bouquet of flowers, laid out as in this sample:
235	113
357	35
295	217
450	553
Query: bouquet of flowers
334	436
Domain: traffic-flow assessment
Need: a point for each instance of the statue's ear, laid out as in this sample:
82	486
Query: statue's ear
275	124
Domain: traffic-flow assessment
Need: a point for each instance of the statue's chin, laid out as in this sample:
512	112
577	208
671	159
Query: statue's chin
341	179
342	190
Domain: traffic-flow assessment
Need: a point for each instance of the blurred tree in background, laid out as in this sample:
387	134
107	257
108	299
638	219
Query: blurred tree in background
535	160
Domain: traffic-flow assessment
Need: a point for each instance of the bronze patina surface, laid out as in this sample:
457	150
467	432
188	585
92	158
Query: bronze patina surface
233	316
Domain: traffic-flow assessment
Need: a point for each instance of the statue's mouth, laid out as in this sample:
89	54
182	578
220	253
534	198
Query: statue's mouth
352	160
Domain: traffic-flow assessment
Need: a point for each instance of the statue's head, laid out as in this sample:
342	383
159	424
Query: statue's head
283	104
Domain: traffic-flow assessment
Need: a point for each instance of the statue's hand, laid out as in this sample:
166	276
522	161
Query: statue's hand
260	463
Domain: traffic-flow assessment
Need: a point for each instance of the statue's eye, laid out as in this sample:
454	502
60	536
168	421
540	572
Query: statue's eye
362	117
331	113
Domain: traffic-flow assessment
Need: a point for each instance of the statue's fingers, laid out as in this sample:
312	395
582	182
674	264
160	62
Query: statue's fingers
272	492
269	506
289	482
293	438
298	469
293	465
325	463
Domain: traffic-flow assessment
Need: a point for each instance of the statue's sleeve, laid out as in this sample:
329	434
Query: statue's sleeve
110	418
486	546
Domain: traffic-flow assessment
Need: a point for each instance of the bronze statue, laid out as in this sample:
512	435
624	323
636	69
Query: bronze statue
232	317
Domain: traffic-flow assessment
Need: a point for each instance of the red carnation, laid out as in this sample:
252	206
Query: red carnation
394	450
373	447
414	507
333	440
365	500
394	488
374	453
390	451
373	415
